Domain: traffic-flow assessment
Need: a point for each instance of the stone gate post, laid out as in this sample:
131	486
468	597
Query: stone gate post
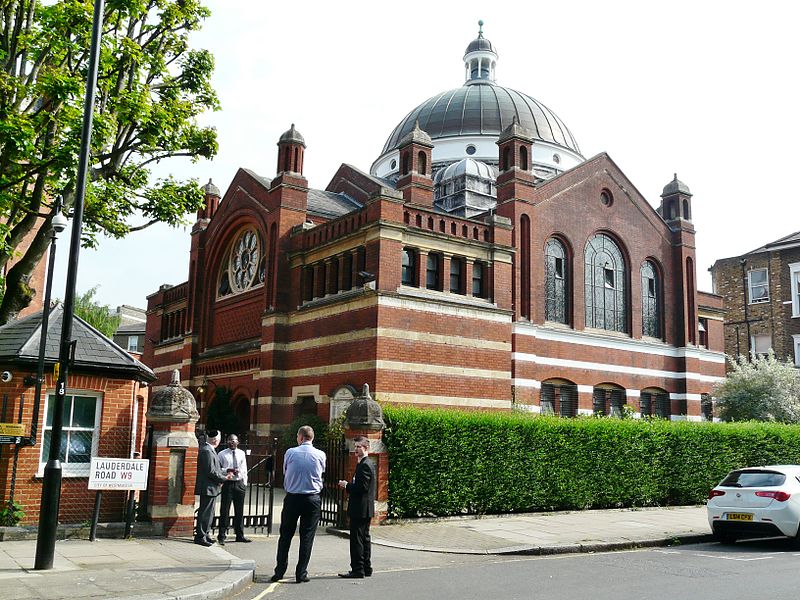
173	465
365	418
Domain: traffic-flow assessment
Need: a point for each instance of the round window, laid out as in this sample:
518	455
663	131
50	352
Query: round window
556	158
244	260
471	149
606	199
393	165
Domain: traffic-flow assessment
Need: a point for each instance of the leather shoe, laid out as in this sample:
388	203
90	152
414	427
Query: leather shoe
205	543
276	578
243	540
221	542
303	579
367	572
351	575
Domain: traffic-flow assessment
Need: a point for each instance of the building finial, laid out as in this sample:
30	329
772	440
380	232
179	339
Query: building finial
480	28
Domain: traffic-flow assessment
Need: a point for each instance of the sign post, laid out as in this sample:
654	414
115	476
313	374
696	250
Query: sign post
127	474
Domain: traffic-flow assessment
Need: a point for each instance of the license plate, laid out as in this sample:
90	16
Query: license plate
739	517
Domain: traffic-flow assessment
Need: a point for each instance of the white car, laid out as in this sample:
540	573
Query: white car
756	502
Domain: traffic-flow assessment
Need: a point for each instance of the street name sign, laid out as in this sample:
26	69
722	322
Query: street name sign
118	473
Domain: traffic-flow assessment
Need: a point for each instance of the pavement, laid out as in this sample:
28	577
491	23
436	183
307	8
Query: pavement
162	569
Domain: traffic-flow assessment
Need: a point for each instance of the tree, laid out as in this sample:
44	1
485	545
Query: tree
98	316
764	389
151	89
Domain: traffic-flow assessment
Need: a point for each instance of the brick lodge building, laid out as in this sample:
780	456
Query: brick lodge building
761	292
481	263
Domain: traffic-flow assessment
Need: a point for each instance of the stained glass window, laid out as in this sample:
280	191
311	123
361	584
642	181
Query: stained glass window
605	285
555	284
244	265
651	302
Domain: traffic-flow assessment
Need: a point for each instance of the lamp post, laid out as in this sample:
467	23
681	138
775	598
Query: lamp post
57	224
51	481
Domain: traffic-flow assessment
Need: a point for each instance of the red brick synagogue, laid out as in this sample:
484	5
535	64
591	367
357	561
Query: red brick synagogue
483	262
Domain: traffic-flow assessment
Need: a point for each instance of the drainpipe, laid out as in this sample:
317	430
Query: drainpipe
743	262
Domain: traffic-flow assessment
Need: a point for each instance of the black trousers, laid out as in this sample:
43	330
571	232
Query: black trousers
205	515
232	493
360	546
306	508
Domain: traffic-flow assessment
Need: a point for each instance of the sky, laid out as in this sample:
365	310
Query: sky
706	90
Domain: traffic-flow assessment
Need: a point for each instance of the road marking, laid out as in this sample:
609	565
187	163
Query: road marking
269	590
721	557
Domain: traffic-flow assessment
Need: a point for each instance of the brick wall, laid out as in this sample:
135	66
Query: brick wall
114	440
744	319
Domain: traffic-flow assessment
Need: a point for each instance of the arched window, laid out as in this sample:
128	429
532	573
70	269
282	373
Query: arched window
559	397
296	160
651	300
523	158
525	267
608	400
432	272
423	163
555	283
654	402
605	277
409	275
686	214
406	163
691	319
286	159
506	158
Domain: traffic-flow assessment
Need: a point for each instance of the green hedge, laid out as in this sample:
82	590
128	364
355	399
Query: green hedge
450	462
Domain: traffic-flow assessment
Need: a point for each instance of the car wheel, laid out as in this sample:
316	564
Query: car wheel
724	538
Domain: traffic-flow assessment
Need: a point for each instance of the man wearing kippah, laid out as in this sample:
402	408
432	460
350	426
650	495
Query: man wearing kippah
208	486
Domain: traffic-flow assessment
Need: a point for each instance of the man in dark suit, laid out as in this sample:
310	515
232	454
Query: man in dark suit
208	485
360	510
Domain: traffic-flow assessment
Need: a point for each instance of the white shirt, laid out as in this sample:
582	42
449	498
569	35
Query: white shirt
234	459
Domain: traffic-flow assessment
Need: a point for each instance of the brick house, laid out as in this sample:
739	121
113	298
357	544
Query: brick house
761	292
103	415
482	263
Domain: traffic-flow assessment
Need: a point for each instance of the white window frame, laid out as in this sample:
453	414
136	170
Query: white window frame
796	339
753	337
73	469
750	285
794	281
135	339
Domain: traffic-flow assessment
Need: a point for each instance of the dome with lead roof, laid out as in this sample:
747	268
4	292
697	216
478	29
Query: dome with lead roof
466	122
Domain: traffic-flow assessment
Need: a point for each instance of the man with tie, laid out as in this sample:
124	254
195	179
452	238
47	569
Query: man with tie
233	461
360	510
208	485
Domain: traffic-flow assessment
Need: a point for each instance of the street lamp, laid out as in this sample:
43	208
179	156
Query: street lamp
51	481
57	224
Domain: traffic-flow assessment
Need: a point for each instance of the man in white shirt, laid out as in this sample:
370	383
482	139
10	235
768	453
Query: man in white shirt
233	461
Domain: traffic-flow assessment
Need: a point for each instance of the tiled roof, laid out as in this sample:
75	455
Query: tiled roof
19	342
787	241
323	203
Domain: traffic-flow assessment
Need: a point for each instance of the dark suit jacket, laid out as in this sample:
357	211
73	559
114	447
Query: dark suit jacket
209	472
362	491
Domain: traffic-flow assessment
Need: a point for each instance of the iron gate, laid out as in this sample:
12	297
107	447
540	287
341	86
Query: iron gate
333	512
259	498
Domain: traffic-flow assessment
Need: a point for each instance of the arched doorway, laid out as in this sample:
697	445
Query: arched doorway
229	413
